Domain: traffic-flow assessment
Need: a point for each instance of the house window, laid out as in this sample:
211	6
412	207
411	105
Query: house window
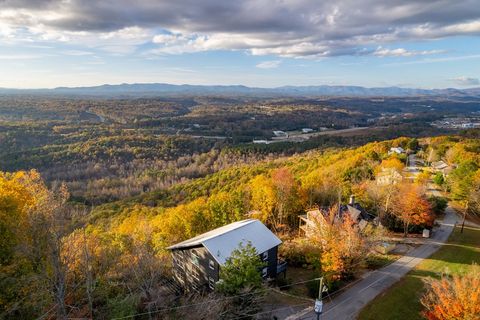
211	283
265	256
195	258
211	264
265	272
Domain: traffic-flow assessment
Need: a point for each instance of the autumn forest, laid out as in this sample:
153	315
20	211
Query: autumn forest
93	191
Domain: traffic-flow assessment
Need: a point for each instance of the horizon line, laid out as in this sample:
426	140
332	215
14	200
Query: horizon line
238	85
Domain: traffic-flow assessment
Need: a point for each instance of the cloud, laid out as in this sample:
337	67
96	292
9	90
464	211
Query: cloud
437	60
302	28
466	81
401	52
269	64
20	56
77	53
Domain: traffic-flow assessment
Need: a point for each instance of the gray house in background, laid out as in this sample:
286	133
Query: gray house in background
197	261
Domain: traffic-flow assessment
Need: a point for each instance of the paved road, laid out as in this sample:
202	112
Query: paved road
348	304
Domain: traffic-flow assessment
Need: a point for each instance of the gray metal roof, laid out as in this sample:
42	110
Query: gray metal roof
222	241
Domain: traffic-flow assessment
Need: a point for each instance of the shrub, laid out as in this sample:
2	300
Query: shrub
438	204
438	179
299	252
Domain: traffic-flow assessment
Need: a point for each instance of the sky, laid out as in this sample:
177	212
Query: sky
261	43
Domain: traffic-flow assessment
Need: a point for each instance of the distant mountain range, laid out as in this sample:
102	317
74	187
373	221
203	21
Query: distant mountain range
151	89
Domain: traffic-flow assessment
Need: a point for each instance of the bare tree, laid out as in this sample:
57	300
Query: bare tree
49	223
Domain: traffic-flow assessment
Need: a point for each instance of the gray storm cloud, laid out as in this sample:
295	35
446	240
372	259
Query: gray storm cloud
291	28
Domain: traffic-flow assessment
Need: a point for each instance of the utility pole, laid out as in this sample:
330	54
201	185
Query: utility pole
318	302
464	216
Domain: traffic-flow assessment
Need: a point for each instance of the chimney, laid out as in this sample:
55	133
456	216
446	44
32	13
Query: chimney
352	200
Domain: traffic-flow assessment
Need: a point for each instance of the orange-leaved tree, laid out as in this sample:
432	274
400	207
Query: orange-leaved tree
342	245
453	298
412	207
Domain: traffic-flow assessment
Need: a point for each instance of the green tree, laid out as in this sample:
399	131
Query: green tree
241	271
438	179
413	144
461	180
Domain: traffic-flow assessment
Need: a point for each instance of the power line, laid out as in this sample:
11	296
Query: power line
316	279
46	313
212	300
229	297
55	305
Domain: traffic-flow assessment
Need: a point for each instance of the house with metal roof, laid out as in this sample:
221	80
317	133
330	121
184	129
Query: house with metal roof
197	261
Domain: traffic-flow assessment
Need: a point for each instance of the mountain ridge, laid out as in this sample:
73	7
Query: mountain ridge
186	89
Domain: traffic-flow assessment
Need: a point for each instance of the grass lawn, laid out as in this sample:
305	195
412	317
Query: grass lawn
402	300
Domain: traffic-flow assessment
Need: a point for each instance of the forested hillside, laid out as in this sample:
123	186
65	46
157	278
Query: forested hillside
111	261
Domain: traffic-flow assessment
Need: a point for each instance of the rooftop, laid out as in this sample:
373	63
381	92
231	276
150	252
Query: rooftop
222	241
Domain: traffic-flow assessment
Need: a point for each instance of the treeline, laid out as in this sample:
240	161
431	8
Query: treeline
84	109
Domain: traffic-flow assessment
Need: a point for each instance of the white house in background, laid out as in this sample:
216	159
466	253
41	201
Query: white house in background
280	133
307	130
397	150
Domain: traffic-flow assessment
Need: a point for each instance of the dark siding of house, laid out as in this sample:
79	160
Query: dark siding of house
192	268
194	273
272	262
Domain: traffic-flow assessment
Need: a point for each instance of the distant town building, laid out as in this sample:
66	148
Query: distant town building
261	141
458	123
279	133
197	261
